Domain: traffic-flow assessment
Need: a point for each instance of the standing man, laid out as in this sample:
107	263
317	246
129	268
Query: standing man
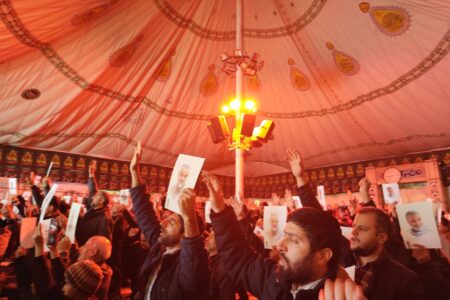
309	252
97	220
380	276
177	264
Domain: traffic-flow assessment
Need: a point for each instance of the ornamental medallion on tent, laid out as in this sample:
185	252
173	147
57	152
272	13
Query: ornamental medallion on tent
124	54
208	86
90	14
165	69
344	62
299	80
391	20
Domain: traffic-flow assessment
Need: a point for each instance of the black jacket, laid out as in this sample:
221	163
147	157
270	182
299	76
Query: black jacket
94	222
183	274
256	274
392	281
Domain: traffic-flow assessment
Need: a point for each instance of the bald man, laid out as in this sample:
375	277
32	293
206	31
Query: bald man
97	249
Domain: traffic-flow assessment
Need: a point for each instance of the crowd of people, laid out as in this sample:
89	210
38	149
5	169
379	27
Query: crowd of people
159	254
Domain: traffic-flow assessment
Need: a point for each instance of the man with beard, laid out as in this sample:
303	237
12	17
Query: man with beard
380	276
309	252
176	266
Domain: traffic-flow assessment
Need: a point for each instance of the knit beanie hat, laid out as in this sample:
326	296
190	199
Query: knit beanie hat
85	276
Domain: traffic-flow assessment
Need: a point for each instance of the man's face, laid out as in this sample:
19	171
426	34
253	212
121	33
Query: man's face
296	262
170	230
97	200
364	236
210	243
182	176
274	222
86	251
390	191
415	221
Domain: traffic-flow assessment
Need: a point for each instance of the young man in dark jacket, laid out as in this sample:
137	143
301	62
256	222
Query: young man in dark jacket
97	220
177	264
309	252
380	276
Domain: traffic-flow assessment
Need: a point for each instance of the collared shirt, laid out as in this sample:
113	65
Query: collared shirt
154	275
309	286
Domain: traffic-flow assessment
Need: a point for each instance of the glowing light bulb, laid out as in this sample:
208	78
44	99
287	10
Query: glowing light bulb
235	104
225	109
250	105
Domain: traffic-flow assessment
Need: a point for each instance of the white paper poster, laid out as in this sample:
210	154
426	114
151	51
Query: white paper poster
47	200
12	186
321	196
124	197
418	225
346	232
72	221
27	228
297	202
185	173
391	193
274	222
45	227
351	272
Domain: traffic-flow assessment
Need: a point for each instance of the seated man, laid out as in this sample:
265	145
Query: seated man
177	264
309	251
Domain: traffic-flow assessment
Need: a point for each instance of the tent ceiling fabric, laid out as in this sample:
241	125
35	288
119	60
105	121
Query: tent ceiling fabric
343	80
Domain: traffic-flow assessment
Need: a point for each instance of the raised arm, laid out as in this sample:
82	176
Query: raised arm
145	214
92	183
307	197
246	267
194	272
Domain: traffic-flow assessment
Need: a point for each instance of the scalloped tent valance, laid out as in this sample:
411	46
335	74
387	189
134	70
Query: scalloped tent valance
344	81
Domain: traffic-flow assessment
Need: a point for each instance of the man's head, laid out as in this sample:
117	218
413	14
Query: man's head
99	200
172	229
371	230
210	244
53	207
273	222
311	246
183	174
390	191
82	279
414	220
97	248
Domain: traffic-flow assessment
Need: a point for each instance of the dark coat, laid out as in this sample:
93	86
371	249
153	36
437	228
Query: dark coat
393	281
94	222
183	274
221	286
256	274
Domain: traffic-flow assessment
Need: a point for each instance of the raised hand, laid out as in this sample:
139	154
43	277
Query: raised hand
364	185
215	191
186	202
288	198
134	166
38	241
421	254
275	199
64	245
341	290
92	168
295	161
